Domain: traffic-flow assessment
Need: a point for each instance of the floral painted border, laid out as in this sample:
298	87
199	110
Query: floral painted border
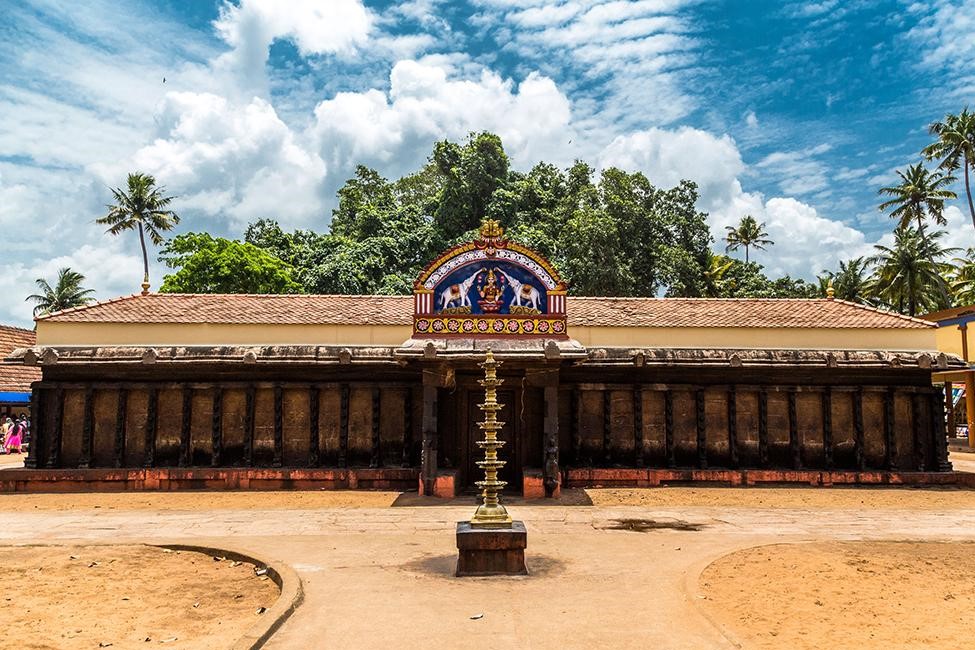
458	325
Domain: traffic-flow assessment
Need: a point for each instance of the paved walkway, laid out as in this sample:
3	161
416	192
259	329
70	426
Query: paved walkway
381	577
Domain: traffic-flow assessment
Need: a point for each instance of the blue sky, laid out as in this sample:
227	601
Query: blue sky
794	112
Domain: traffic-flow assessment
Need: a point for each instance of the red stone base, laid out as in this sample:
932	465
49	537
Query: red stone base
533	486
633	477
237	478
491	551
444	485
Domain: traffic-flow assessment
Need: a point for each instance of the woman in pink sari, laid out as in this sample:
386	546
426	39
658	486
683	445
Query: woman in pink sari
15	438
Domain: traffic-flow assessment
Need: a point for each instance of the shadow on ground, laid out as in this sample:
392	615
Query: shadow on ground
569	497
443	566
646	525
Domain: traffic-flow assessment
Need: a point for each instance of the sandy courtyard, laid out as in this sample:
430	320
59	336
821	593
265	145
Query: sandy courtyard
124	597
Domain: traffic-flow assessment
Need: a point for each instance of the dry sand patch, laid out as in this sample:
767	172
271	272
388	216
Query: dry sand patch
864	594
132	596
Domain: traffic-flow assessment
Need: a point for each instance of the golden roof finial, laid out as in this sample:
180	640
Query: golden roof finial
491	229
829	289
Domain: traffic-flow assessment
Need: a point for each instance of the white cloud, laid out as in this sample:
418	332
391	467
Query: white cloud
945	37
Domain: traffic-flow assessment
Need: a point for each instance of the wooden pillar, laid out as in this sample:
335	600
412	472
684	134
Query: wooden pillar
918	433
314	432
638	425
216	428
428	459
149	455
408	428
794	447
87	428
550	428
827	400
702	437
250	403
37	420
669	428
858	451
54	448
890	452
762	427
940	438
278	426
186	426
970	406
344	426
376	459
576	407
732	399
120	415
607	427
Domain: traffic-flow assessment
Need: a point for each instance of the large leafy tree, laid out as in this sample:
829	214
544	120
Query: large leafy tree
66	293
955	148
142	207
215	265
920	195
748	233
910	275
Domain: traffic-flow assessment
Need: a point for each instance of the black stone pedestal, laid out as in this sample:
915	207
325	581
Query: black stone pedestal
491	551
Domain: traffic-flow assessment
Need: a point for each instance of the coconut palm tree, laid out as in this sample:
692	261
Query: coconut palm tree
850	283
748	233
961	277
920	195
955	147
714	281
144	208
910	275
66	293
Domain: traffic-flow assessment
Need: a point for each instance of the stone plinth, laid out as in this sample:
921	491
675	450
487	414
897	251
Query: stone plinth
491	551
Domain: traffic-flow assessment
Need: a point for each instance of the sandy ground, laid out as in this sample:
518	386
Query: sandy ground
962	462
845	594
8	461
663	497
67	597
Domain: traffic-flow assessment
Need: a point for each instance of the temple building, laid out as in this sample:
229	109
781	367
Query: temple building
172	390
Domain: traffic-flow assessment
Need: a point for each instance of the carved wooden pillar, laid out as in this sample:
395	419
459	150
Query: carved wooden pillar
37	424
919	434
938	431
186	426
828	427
702	437
408	428
763	427
149	457
120	415
314	433
278	425
428	459
250	401
344	426
638	425
795	449
87	427
376	459
890	453
732	427
550	468
607	427
669	427
54	450
858	450
576	408
216	427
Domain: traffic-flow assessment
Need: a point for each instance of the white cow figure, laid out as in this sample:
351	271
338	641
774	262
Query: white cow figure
458	292
524	293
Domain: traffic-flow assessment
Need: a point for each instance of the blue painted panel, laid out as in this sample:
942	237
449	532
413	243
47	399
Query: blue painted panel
468	285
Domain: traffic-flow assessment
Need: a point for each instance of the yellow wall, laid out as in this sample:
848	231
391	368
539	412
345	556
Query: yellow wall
949	341
55	333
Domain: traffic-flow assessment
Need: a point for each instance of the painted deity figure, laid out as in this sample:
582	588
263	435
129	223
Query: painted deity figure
458	292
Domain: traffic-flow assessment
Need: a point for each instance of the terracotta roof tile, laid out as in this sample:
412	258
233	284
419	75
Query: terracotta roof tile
397	310
16	377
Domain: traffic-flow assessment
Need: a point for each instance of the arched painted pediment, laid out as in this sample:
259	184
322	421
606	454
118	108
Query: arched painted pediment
489	287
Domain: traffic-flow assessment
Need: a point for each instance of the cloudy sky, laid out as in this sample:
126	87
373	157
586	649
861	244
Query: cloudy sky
794	112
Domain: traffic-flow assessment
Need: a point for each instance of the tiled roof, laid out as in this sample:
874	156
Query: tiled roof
397	310
16	378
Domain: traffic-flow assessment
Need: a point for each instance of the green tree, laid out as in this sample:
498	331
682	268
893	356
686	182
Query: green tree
215	265
851	282
748	233
143	207
471	175
910	275
961	278
714	275
919	196
954	148
66	293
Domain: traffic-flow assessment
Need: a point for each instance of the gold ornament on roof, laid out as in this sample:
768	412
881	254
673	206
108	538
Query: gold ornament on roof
830	292
491	229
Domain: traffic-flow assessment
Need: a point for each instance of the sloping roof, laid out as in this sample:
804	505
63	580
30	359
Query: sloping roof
16	378
398	310
950	314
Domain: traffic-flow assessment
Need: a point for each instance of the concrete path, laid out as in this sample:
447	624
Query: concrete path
962	462
382	577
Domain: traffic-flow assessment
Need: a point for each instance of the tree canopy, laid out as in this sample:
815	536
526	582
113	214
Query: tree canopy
66	293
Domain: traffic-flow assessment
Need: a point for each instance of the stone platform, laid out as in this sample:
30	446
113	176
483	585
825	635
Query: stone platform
491	551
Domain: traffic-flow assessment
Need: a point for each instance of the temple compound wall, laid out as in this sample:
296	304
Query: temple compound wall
170	390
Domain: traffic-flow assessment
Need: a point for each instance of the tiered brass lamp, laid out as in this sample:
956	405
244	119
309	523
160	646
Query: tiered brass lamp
490	514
